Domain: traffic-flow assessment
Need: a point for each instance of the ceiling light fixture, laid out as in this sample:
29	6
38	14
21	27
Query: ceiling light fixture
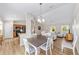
41	19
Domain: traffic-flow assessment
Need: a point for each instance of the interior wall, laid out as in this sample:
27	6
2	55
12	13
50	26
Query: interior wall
8	24
8	29
59	16
1	27
36	28
9	20
20	22
29	25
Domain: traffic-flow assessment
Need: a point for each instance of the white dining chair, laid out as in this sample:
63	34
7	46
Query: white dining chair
43	32
46	46
54	36
33	35
21	36
70	45
48	34
29	48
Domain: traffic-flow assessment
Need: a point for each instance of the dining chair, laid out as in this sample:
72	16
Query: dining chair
33	35
70	45
21	36
54	36
29	48
43	32
46	46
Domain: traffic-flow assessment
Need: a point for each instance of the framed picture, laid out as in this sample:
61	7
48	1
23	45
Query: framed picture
65	28
53	29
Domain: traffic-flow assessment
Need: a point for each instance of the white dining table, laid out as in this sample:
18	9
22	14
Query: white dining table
37	41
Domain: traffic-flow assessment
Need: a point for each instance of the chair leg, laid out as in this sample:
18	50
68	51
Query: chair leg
46	52
25	53
50	51
62	49
36	52
52	45
74	51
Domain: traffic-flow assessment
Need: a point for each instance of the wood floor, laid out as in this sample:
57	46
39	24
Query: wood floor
8	48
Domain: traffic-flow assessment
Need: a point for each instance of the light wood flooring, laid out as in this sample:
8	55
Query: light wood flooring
8	48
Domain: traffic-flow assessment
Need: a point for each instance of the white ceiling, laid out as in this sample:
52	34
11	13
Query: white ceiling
19	10
62	15
23	8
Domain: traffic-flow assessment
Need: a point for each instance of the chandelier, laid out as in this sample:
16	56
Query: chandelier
40	18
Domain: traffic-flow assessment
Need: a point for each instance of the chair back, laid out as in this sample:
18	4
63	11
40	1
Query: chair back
75	38
49	35
26	45
49	43
43	32
52	34
21	38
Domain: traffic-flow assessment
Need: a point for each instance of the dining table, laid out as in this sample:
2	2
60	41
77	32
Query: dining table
37	41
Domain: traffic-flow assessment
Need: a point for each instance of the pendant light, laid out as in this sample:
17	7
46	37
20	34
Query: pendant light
41	19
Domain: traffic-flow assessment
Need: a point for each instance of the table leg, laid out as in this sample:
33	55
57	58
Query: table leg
38	51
